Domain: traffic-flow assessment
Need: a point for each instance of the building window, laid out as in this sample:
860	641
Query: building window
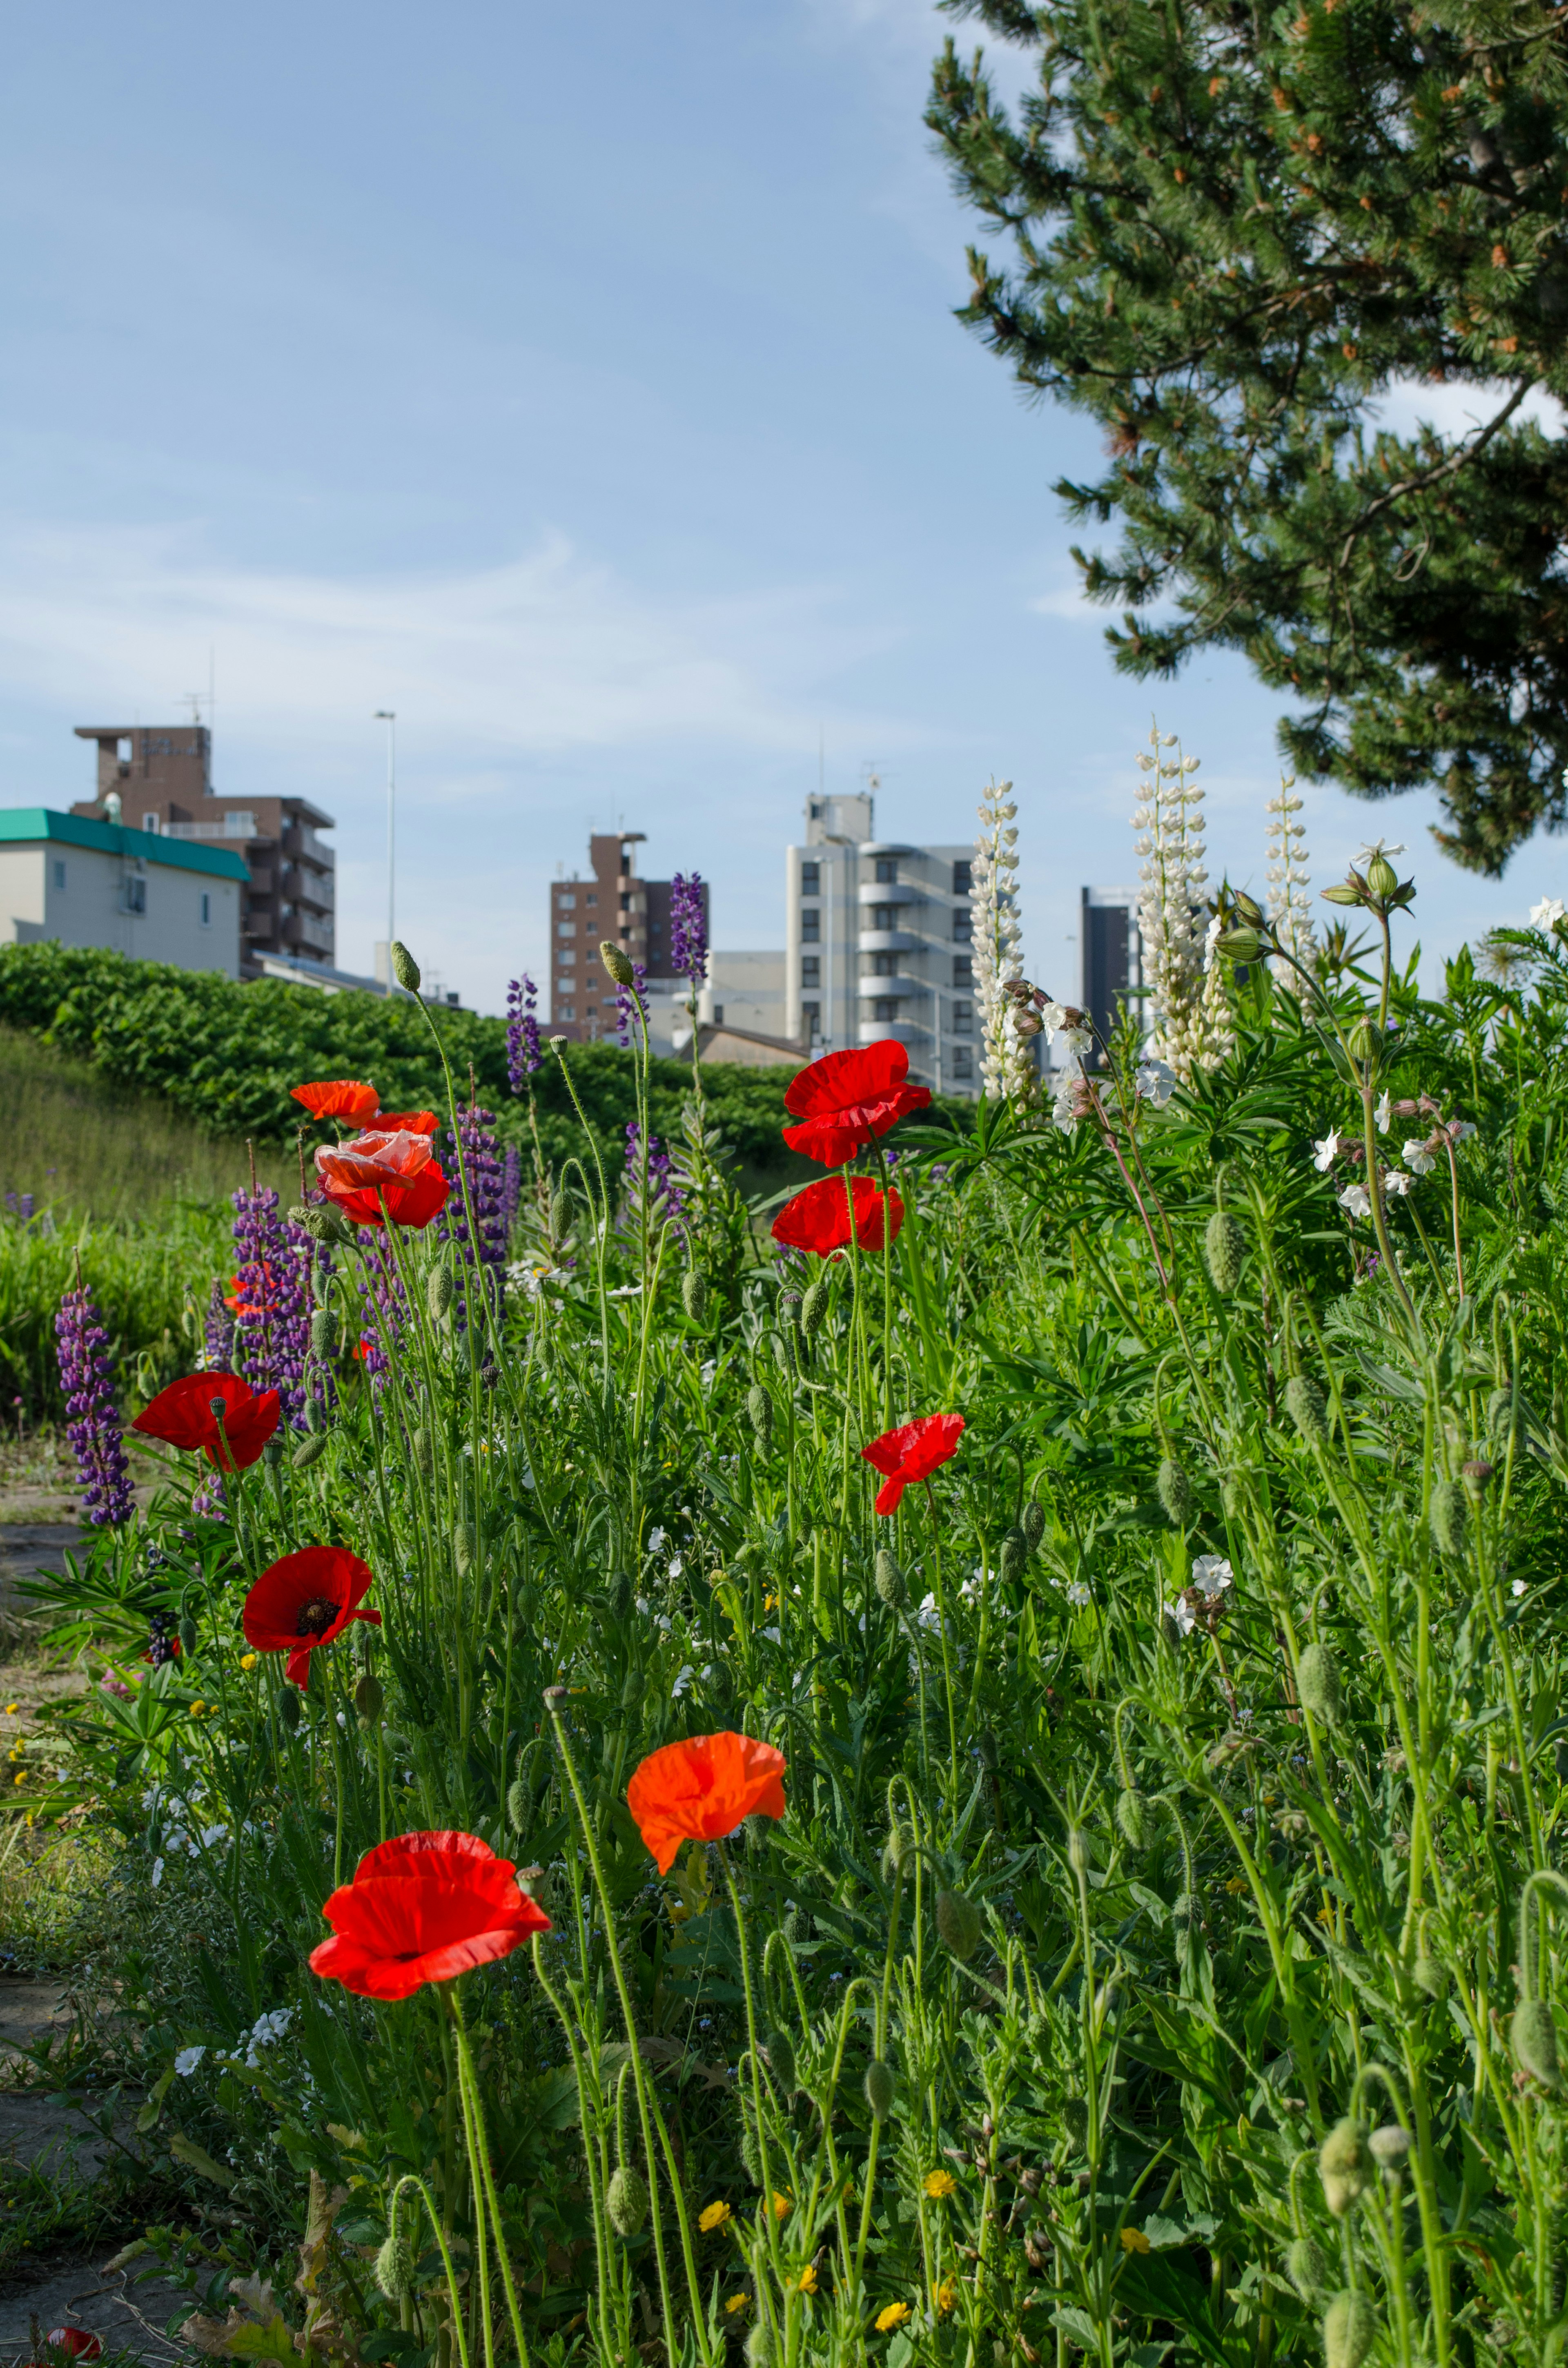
887	869
963	1061
718	1015
811	879
810	970
811	925
963	970
961	878
884	917
59	873
563	901
590	900
883	966
964	1020
135	896
567	1011
206	910
885	1007
811	1022
963	926
565	928
150	823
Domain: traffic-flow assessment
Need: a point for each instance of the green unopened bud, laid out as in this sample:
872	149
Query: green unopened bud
813	1307
780	2049
621	1595
1317	1684
694	1294
1032	1523
880	2086
404	968
632	1691
368	1699
423	1451
438	1293
1431	1974
1174	1492
324	1332
751	2153
1500	1414
395	2265
783	1352
898	1852
315	1413
1349	892
1308	1410
559	1214
1349	2330
1449	1516
759	1405
462	1549
1014	1555
1224	1251
1241	945
323	1223
1343	2165
761	2350
1135	1816
289	1709
1381	877
1366	1040
312	1445
1388	2146
616	962
1246	908
1078	1849
959	1924
1075	2121
1306	2268
626	2201
1533	2035
187	1636
519	1805
891	1583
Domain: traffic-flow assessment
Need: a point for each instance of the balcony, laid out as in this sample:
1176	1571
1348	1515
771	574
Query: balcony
902	983
903	1031
888	941
234	825
887	892
317	890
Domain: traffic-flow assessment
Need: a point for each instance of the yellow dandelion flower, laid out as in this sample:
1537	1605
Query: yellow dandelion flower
20	1778
735	2303
249	1660
895	2315
197	1708
1133	2240
807	2281
781	2206
1237	1884
945	2293
714	2215
940	2184
12	1708
1325	1915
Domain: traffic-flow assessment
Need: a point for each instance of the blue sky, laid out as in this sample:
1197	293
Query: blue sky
583	383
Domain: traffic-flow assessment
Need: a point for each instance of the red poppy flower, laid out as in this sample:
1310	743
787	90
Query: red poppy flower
699	1791
818	1218
424	1907
846	1098
397	1169
306	1599
400	1123
911	1452
182	1414
341	1097
79	2341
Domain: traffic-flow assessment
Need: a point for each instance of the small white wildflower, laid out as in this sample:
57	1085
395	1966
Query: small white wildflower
1384	1111
1355	1200
1327	1151
1459	1130
186	2061
1180	1614
210	1834
774	1635
626	1291
1212	937
1550	911
676	1565
1398	1182
683	1679
1211	1574
157	1872
1516	1587
642	1605
1418	1158
1376	846
1156	1082
1078	1594
655	1542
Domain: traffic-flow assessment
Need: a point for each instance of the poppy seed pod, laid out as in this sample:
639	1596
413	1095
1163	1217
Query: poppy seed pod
1343	2165
1349	2330
779	2050
368	1699
1317	1683
404	968
616	962
1014	1555
1306	2268
394	2263
1224	1251
1449	1516
879	2086
759	1405
694	1294
889	1582
324	1332
310	1447
1135	1816
1032	1523
626	2201
1308	1410
1533	2035
959	1924
272	1454
288	1708
438	1293
1174	1492
813	1307
789	1306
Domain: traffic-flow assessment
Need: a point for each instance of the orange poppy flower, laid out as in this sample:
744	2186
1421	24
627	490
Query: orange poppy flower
343	1098
911	1452
396	1169
400	1123
701	1790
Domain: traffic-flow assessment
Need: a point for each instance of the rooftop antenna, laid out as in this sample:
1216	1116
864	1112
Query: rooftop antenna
822	759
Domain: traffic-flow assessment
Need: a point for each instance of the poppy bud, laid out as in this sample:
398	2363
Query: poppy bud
1534	2037
619	1594
518	1805
632	1691
404	968
187	1636
1306	2268
1308	1410
626	2201
1343	2165
898	1852
1431	1974
1075	2121
368	1699
1317	1684
783	1352
289	1709
395	2264
759	1405
560	1213
959	1924
796	1927
1174	1492
324	1332
323	1224
1014	1555
316	1415
761	2350
616	962
1032	1523
879	2086
891	1583
438	1293
694	1294
1224	1250
1500	1413
986	1748
1349	2330
779	2050
1389	2145
1449	1516
1187	1918
423	1451
751	2153
1135	1816
1078	1849
310	1447
813	1307
462	1549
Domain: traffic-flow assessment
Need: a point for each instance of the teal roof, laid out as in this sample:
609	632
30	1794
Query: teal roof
22	823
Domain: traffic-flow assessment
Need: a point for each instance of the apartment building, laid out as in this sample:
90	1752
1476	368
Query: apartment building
78	881
1111	958
878	943
159	777
612	902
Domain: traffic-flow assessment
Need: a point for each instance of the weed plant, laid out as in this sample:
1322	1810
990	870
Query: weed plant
1158	1959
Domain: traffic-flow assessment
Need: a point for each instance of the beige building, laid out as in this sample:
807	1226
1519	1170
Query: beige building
82	882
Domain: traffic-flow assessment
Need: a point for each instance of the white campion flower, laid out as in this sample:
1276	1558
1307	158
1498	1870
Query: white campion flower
683	1679
1376	846
1548	913
1180	1614
1459	1130
1078	1594
186	2061
1212	937
1327	1151
655	1542
1211	1574
1418	1158
1395	1180
1516	1587
1064	1109
1356	1200
1156	1082
1384	1111
676	1565
157	1872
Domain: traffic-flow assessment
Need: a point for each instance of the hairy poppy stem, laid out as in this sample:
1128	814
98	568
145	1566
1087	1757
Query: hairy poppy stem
481	2173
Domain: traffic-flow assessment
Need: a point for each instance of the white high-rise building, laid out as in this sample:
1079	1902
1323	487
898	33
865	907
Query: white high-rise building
877	943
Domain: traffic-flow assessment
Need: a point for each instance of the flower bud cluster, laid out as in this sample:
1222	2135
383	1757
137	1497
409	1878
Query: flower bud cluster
1188	1010
1006	1059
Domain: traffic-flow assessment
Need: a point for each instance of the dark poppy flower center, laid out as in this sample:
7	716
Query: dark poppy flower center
315	1617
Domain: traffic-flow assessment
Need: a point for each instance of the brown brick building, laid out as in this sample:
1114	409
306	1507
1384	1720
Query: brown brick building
613	903
162	774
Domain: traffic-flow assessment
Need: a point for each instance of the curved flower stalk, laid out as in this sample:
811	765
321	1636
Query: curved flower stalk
1288	877
1006	1060
1187	1008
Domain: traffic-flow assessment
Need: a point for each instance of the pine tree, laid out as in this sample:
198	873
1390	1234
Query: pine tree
1231	229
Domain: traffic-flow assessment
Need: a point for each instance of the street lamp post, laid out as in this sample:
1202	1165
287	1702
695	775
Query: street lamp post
388	716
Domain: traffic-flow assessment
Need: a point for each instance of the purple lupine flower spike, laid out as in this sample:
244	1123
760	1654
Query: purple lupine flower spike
481	1164
273	1301
666	1201
217	1332
523	1056
511	1187
386	1306
86	1376
629	1002
688	928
